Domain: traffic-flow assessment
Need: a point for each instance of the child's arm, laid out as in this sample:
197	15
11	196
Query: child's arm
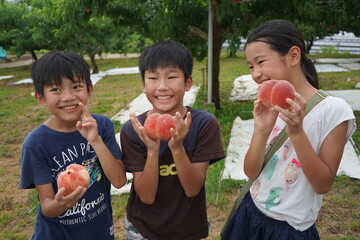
113	168
264	121
146	182
192	175
320	169
54	205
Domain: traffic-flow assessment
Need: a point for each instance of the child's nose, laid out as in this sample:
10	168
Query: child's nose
256	74
163	84
68	95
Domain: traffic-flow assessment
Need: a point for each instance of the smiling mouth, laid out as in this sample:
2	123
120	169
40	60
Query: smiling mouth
163	97
69	107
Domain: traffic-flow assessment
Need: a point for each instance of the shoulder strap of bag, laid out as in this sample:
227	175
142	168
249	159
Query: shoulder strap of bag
313	101
318	97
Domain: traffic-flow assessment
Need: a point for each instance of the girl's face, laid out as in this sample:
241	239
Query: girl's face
63	102
165	89
266	64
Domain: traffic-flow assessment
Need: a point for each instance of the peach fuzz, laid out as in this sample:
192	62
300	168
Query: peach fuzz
275	92
157	126
75	175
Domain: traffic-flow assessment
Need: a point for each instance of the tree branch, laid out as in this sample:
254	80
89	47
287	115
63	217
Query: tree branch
197	32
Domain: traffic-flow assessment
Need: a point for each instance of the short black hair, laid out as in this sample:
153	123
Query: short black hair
53	66
165	54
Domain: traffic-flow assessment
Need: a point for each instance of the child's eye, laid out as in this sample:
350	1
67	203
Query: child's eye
78	86
55	89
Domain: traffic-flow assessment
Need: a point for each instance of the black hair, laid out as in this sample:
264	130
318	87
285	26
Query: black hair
281	35
53	66
166	54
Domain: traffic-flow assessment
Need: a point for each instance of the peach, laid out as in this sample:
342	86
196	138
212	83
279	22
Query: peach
75	175
274	93
157	126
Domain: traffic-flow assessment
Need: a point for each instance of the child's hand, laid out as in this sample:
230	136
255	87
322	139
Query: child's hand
293	116
139	129
70	200
182	129
87	126
264	117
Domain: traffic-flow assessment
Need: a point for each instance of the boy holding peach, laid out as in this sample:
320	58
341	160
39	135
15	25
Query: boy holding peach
167	197
71	136
286	195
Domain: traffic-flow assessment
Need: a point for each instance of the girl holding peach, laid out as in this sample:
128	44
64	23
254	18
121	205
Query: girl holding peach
287	201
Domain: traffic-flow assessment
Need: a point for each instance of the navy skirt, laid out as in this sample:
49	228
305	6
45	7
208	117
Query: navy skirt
249	223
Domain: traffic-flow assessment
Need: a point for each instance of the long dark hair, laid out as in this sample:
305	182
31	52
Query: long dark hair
281	35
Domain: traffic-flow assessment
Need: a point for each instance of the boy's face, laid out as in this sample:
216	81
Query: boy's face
63	102
165	89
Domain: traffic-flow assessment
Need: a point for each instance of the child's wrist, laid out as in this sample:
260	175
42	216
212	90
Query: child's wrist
97	140
177	149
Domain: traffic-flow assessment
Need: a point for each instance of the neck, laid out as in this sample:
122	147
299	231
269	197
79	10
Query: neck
304	88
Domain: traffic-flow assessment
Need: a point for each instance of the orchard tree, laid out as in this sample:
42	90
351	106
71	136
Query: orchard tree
16	29
79	27
187	22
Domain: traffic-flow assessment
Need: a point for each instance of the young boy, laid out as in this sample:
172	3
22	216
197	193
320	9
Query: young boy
167	198
71	135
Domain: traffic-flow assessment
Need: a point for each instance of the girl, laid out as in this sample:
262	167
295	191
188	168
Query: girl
284	201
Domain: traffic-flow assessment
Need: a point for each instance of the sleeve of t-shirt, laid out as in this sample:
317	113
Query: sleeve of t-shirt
134	151
34	168
107	132
336	112
209	145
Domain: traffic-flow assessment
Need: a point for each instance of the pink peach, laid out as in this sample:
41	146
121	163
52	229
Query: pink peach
157	126
75	175
275	92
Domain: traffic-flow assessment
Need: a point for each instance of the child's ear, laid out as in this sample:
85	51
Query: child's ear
188	83
294	55
91	88
40	99
143	86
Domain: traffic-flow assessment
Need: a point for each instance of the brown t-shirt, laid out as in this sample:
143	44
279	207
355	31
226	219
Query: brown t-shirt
173	215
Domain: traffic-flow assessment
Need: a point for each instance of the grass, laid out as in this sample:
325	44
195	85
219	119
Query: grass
339	217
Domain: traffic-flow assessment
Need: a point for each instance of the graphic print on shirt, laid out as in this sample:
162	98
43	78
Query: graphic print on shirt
254	190
93	169
274	133
287	147
291	173
274	198
165	170
69	155
270	167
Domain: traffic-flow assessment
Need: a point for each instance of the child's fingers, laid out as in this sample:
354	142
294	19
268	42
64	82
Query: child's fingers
300	100
179	122
60	194
86	112
188	120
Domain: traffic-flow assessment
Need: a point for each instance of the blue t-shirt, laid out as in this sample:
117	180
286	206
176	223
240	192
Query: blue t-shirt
45	154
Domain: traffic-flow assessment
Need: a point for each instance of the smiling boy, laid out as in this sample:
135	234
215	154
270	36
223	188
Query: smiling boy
70	135
167	198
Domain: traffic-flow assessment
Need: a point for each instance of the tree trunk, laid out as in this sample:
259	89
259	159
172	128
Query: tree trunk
219	37
33	55
215	73
309	46
93	63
